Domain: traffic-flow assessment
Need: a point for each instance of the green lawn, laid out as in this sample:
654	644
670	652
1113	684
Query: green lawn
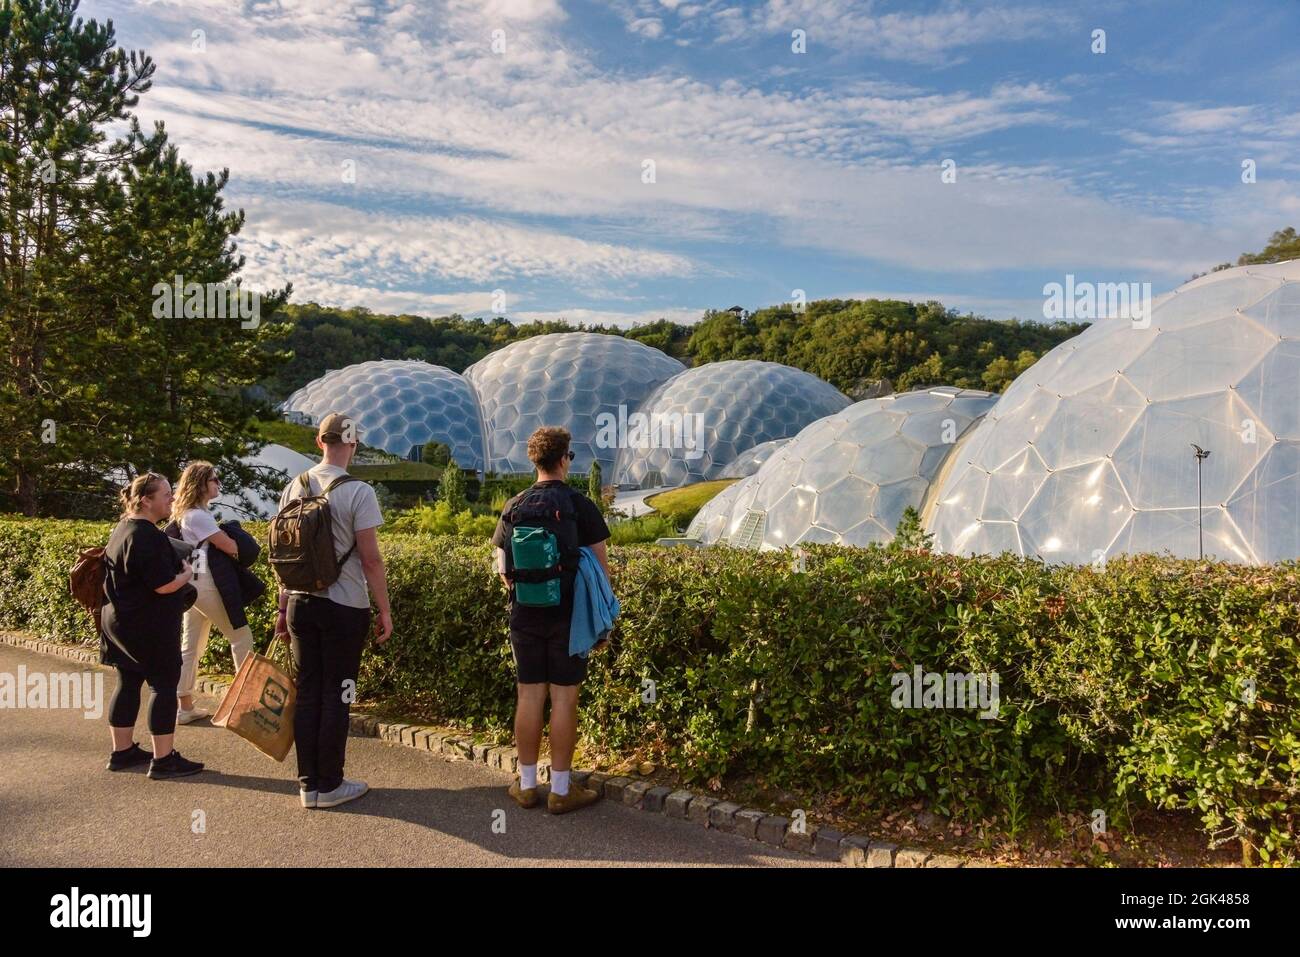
400	470
302	439
681	504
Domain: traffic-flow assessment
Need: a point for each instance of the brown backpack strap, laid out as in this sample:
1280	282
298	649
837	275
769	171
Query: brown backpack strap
306	484
342	479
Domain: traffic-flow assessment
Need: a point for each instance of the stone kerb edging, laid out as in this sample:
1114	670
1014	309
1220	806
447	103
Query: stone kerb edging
854	850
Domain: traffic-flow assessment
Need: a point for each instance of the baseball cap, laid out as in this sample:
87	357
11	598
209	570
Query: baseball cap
336	425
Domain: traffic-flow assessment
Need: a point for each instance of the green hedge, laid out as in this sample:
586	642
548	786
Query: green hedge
1119	687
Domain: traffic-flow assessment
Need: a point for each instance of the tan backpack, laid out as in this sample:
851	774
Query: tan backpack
301	540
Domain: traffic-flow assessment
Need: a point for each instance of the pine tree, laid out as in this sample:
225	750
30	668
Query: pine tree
92	380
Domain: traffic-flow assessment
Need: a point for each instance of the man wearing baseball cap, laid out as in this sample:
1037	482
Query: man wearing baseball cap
328	628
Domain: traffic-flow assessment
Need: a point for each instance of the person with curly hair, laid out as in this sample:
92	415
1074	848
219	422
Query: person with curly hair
539	633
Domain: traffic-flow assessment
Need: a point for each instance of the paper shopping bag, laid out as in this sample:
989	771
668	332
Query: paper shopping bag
259	705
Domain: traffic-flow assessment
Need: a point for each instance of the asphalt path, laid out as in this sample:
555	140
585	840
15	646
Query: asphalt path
59	807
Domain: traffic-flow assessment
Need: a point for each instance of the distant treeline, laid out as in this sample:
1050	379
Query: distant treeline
852	344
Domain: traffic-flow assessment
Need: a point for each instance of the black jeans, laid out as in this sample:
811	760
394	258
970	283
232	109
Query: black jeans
327	641
125	706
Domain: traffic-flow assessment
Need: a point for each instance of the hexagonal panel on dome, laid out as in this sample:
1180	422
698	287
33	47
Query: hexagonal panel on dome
400	404
1276	312
1074	506
848	478
1269	388
1266	508
732	406
1090	424
1155	459
1090	452
577	380
1207	357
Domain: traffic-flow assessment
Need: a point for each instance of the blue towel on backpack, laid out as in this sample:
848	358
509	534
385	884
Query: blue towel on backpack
594	606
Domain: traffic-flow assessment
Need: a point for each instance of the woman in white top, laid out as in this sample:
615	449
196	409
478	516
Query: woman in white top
197	487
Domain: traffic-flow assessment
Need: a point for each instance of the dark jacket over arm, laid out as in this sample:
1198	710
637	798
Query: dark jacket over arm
237	586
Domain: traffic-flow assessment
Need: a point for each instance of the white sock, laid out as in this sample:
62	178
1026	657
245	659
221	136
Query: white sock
527	776
559	782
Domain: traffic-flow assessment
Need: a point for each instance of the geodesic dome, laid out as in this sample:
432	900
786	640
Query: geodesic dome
567	379
847	479
713	521
399	404
738	403
748	462
1089	453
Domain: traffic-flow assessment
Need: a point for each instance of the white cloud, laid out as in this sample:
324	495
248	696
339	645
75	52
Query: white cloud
531	11
651	27
334	243
923	37
532	160
1210	120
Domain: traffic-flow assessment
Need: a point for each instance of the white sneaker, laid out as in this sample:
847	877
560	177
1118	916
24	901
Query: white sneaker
189	717
345	792
308	797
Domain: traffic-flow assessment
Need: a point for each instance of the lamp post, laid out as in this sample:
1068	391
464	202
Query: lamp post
1201	455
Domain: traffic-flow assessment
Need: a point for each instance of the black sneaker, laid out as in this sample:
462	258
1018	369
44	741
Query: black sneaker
128	758
173	766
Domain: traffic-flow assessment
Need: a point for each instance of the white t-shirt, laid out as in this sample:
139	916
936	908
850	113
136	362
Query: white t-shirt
197	526
354	508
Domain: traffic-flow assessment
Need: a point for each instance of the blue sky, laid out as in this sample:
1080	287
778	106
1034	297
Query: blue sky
521	169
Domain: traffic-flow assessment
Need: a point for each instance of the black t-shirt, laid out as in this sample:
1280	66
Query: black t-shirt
138	559
591	531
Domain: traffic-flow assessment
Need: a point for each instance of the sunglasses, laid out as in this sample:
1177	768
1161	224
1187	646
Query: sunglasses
570	455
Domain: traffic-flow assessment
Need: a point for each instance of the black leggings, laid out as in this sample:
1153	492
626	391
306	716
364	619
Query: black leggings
125	707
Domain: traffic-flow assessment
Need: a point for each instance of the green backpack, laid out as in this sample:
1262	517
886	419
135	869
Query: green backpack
543	545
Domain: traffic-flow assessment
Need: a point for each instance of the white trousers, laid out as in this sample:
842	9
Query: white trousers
207	611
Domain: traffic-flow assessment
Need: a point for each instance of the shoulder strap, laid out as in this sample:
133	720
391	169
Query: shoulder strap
306	484
342	479
571	500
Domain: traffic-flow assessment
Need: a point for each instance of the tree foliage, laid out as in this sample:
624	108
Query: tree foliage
1282	246
451	488
435	453
97	382
852	344
855	343
324	337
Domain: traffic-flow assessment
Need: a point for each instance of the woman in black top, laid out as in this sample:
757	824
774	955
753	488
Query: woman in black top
145	589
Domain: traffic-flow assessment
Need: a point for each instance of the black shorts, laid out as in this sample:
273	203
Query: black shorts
542	656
